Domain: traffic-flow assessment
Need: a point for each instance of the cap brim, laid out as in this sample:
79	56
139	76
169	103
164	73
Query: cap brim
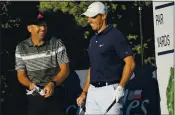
38	22
89	14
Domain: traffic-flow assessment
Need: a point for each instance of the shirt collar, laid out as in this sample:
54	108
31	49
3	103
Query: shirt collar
30	43
106	30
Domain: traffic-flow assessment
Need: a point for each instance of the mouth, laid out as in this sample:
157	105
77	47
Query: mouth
92	25
42	33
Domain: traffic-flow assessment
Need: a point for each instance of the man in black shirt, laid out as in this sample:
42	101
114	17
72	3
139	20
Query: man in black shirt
111	64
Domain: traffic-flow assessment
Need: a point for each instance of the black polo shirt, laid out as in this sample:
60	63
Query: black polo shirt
106	51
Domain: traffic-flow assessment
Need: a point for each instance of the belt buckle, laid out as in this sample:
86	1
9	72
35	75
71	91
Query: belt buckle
98	83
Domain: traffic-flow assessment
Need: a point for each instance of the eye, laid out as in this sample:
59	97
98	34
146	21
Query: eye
94	16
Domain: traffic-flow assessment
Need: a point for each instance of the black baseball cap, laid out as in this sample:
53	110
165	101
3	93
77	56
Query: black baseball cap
38	19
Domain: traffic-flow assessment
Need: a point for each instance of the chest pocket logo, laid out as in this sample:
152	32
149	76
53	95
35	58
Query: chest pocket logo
101	45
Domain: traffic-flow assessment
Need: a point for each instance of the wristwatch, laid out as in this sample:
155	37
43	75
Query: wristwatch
54	83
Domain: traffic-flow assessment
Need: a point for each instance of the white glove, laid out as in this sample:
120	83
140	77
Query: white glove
118	93
36	89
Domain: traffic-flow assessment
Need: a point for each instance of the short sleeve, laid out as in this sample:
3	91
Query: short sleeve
121	46
19	62
61	53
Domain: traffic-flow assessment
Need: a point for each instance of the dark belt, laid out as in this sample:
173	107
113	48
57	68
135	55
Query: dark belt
101	84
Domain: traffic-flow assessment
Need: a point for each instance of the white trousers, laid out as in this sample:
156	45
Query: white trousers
100	98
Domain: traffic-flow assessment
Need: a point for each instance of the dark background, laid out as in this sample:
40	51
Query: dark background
15	100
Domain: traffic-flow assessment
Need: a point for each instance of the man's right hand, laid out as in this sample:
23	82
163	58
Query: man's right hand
81	99
31	86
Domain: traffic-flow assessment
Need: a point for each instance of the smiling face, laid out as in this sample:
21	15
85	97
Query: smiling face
38	31
98	22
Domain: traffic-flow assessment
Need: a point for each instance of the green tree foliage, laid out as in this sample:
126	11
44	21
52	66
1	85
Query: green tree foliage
123	15
7	21
170	93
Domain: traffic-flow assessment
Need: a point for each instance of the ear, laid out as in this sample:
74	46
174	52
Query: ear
29	28
104	16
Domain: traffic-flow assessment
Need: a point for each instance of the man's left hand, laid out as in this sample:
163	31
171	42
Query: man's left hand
48	90
118	93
